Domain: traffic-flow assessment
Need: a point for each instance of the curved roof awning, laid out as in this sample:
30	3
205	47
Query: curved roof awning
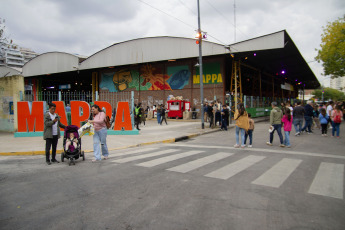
275	53
50	63
8	71
152	49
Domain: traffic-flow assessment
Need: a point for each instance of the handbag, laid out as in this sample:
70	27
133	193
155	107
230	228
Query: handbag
107	122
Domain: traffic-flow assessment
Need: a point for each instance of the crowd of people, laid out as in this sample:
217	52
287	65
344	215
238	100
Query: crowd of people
304	118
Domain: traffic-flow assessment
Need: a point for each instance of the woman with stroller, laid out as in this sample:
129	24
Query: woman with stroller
100	136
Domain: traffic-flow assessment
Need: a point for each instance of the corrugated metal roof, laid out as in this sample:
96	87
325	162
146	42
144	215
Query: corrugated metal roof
49	63
150	50
8	71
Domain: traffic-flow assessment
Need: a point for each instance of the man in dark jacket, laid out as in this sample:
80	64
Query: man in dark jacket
51	132
298	115
308	117
210	114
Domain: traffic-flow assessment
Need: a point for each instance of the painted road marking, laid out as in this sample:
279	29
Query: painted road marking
236	167
125	153
276	175
187	167
285	151
167	159
128	159
329	181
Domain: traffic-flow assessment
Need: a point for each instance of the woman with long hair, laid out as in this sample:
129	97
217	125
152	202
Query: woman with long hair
336	116
100	136
287	121
242	124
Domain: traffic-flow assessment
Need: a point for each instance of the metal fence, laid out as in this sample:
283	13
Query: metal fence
50	96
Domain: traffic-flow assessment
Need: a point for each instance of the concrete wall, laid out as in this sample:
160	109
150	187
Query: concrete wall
10	88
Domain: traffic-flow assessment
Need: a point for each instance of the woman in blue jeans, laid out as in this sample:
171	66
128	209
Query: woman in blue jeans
100	136
242	124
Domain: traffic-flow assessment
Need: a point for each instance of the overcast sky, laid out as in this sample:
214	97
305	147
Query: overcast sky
87	26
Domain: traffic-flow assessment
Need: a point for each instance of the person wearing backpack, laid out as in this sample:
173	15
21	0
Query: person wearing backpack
336	120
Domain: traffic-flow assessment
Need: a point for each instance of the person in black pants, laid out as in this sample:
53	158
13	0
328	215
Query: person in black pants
210	114
163	115
51	132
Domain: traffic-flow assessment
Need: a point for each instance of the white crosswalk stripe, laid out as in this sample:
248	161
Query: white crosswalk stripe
187	167
134	158
276	175
329	180
163	160
236	167
125	153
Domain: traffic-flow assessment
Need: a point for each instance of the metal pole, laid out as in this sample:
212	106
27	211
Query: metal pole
200	71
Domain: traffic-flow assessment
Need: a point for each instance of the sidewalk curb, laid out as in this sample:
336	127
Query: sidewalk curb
170	140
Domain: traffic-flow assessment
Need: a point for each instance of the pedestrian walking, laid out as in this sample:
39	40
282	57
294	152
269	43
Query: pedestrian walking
137	115
323	118
337	114
329	110
206	111
287	122
298	115
249	132
276	116
210	114
242	124
225	118
159	116
308	117
100	136
51	133
163	115
218	116
143	116
316	121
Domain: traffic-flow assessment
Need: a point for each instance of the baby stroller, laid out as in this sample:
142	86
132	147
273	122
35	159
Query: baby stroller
72	153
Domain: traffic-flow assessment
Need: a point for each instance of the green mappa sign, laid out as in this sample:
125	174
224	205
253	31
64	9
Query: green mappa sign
211	74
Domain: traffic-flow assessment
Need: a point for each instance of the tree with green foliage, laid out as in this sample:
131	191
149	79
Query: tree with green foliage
332	52
329	94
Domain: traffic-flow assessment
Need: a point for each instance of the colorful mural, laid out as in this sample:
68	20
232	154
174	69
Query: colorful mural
179	76
149	78
211	74
155	77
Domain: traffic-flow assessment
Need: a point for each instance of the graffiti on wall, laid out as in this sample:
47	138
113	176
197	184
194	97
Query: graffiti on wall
211	74
149	78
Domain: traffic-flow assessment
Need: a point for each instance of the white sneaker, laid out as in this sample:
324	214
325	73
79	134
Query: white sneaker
250	146
298	133
236	146
269	143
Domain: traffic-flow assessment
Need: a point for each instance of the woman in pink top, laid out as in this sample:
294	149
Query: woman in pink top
287	121
100	136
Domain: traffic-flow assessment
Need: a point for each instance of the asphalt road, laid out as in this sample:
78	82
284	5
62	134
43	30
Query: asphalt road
201	183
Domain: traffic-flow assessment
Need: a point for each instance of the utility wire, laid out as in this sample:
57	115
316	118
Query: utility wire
225	17
179	19
166	14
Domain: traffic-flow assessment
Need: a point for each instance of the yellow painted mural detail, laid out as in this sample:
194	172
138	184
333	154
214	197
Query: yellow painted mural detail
208	79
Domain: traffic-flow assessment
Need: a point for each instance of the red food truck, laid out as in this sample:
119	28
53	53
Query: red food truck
176	108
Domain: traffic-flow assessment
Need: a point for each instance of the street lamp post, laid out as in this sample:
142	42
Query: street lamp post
200	71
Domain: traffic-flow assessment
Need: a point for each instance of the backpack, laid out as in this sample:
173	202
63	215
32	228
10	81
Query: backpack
337	118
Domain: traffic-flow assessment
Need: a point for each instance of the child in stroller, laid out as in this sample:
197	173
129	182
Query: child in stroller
72	145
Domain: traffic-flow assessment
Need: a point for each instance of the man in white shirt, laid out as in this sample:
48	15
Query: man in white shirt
329	110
